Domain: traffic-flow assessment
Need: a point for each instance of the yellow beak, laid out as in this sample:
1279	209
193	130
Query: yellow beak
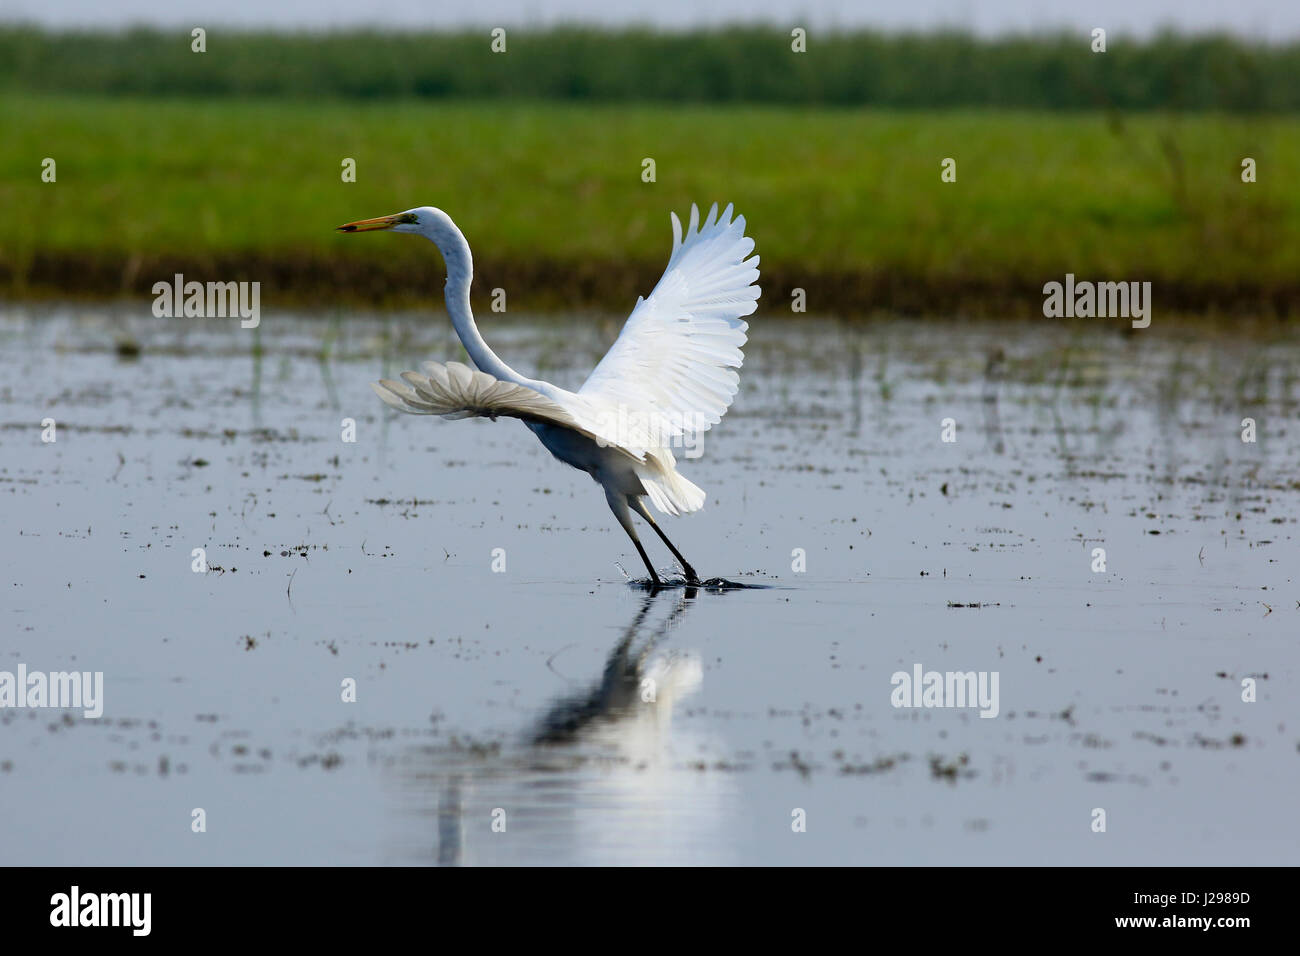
369	225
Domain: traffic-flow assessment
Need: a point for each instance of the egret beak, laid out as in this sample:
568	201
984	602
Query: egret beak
369	225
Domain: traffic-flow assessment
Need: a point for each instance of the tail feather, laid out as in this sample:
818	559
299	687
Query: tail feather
669	491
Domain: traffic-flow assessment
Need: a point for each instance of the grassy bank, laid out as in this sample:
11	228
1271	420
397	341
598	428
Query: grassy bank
846	204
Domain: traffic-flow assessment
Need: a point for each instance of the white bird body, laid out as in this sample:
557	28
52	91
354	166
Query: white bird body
608	465
669	376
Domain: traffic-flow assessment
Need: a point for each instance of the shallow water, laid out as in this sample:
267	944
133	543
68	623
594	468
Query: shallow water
514	696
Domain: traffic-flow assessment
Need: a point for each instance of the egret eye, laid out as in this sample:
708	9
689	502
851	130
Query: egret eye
407	218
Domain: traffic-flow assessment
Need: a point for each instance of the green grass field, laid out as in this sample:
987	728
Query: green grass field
551	197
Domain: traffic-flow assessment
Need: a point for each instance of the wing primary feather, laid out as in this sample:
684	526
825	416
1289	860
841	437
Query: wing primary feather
673	363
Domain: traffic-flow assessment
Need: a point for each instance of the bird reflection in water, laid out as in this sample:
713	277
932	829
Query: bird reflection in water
595	778
633	686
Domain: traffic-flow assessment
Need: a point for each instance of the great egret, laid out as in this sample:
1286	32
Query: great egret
669	376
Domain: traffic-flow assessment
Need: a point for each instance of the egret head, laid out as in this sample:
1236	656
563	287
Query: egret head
434	224
424	220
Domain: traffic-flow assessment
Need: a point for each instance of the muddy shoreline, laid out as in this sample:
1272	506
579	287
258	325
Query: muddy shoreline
306	279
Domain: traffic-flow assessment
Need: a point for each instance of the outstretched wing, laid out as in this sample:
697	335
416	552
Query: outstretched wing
674	362
458	391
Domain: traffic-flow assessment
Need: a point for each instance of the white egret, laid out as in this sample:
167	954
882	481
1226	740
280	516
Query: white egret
669	376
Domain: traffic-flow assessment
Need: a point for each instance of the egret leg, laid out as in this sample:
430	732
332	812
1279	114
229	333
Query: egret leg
639	505
618	505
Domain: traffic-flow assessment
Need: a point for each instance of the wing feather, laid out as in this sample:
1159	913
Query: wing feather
674	362
456	391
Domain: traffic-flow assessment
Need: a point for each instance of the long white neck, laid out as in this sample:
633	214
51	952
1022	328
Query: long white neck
460	271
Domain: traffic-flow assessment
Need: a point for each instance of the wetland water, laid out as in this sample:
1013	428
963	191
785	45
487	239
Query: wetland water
516	695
